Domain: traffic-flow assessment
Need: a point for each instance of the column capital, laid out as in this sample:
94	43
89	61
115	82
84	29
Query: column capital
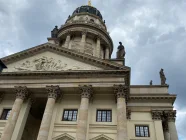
86	91
84	32
121	91
128	114
21	92
53	92
156	114
170	115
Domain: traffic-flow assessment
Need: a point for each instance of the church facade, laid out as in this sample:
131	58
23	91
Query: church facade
71	89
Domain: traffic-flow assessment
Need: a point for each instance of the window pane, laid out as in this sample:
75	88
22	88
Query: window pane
104	116
142	131
70	115
5	114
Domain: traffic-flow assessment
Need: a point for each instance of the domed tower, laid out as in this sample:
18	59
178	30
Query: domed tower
85	32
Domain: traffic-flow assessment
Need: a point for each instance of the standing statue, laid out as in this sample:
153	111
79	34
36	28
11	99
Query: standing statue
121	51
54	32
151	82
162	77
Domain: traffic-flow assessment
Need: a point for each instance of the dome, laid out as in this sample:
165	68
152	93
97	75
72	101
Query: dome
88	9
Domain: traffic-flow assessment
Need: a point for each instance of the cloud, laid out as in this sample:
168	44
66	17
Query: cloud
153	32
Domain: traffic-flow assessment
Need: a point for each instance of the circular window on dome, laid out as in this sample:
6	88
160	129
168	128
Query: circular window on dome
91	20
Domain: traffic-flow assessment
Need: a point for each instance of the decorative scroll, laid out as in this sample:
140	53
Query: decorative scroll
53	92
45	64
21	92
156	115
86	91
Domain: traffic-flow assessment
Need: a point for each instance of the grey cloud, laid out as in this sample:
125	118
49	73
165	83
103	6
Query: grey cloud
153	33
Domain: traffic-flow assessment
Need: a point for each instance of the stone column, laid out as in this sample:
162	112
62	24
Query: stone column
107	53
67	40
86	93
157	117
83	40
53	94
21	95
98	47
121	92
171	124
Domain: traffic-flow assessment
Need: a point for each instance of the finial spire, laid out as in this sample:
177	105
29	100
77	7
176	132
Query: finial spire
89	3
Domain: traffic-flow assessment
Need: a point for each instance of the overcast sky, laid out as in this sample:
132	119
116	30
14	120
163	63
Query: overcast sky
153	32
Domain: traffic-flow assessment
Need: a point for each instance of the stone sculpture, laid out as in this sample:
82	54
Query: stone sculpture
121	51
54	32
151	82
162	77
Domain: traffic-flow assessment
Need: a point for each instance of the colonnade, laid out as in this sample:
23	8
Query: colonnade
167	120
121	93
96	53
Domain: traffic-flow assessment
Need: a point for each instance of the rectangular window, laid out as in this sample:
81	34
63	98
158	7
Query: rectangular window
70	115
142	131
104	116
6	113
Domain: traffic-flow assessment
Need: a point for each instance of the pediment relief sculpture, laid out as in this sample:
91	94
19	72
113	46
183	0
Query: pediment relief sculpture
46	64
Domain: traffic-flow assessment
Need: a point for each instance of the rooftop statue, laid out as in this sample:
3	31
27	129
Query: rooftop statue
54	32
162	77
151	82
121	51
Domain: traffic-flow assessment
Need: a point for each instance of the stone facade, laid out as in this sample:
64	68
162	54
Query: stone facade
66	90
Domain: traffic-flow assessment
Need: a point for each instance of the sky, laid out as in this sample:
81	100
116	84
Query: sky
152	31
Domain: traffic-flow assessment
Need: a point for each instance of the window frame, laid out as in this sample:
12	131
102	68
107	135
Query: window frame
143	131
63	119
107	110
7	116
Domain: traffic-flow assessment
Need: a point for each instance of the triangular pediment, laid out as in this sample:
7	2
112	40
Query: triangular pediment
64	137
50	57
101	137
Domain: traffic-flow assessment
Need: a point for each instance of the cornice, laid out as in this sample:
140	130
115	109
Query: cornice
61	50
149	86
85	13
171	98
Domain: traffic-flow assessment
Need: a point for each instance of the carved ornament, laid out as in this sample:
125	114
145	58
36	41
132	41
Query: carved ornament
121	91
156	115
21	92
86	91
45	64
128	114
53	92
170	115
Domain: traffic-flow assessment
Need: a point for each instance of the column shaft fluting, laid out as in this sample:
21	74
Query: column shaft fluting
67	41
121	94
107	53
83	41
83	113
98	47
53	94
21	94
173	131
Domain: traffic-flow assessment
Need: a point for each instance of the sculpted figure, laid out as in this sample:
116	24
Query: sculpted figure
54	32
162	77
121	51
151	82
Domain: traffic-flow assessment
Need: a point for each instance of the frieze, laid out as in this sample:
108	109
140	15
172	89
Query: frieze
45	64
